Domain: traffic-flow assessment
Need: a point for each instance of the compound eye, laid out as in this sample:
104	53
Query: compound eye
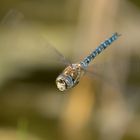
61	85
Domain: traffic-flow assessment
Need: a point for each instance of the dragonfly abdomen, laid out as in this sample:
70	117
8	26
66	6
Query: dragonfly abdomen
99	49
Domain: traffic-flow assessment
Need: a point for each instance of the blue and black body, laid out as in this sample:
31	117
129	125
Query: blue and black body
72	74
99	49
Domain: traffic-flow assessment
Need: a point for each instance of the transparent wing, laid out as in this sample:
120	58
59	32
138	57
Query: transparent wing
13	17
26	41
97	72
54	52
25	54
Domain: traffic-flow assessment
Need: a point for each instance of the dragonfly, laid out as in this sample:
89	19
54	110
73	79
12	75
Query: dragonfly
73	73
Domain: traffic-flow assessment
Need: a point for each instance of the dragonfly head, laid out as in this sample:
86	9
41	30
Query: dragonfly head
64	82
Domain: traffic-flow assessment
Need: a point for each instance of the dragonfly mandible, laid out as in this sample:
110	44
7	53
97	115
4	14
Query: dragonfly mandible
72	74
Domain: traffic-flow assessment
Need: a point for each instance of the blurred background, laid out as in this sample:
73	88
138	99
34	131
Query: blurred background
104	106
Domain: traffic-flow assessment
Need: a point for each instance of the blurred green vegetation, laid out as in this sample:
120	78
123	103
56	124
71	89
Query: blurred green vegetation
136	2
31	107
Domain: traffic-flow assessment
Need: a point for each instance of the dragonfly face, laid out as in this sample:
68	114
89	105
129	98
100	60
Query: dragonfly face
64	82
69	77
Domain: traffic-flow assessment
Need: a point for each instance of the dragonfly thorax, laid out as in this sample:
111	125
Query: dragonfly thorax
69	77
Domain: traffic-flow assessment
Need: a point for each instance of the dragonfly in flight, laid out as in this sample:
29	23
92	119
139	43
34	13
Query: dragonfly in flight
72	74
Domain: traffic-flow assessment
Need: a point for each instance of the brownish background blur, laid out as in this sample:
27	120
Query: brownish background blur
101	107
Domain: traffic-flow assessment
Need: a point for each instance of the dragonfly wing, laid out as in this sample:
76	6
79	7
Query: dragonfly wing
31	35
59	56
13	17
24	51
96	72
